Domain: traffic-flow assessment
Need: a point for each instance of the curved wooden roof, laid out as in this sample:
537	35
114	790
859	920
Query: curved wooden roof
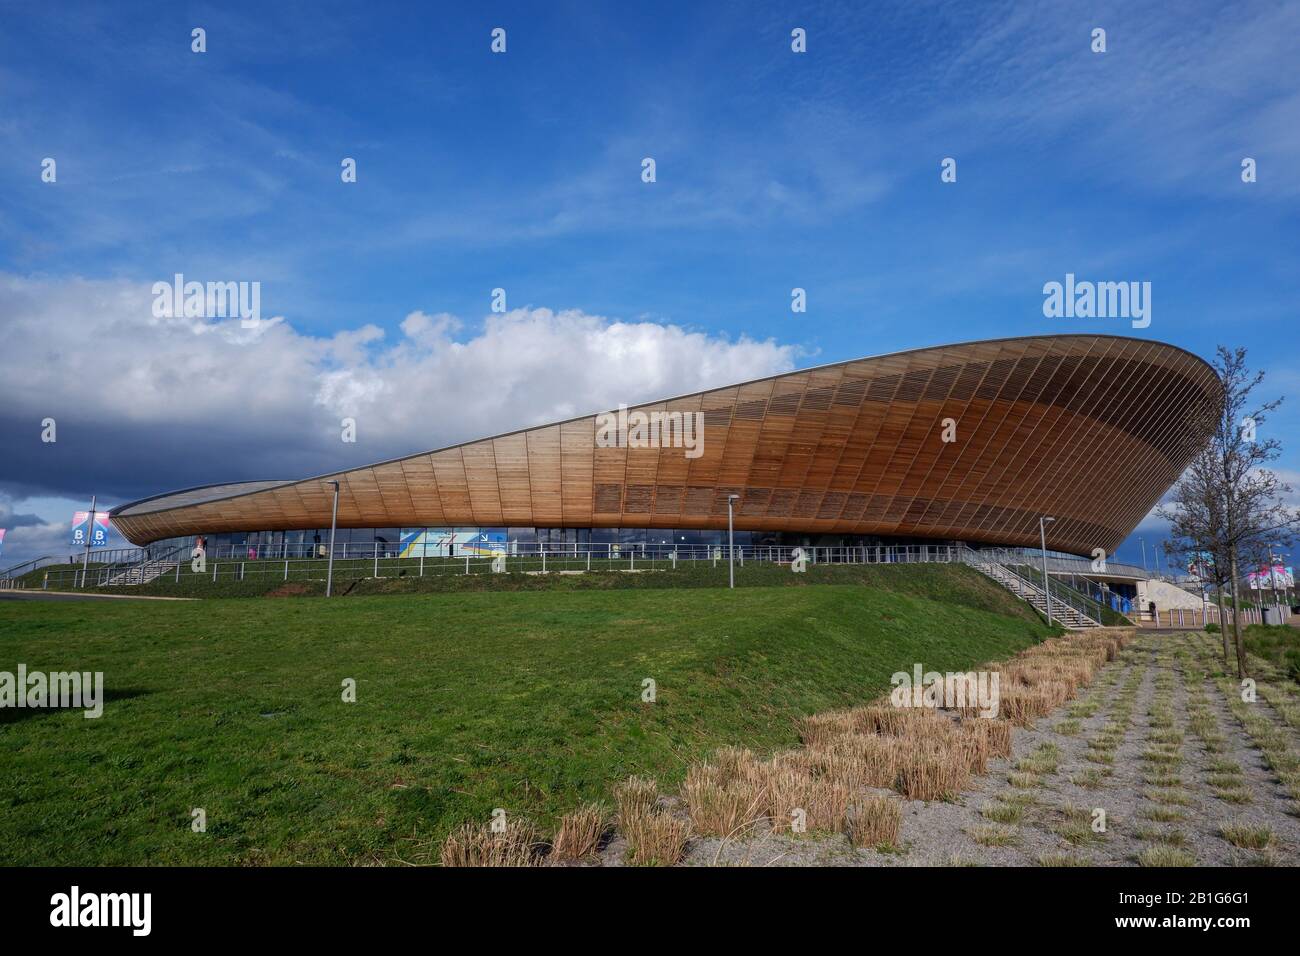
1090	429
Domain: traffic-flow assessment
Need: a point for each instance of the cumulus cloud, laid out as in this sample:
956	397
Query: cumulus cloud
145	404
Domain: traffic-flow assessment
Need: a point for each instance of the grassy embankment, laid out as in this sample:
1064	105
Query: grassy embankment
525	700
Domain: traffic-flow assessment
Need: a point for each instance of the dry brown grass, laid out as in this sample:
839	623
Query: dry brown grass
654	836
922	753
1023	704
580	832
725	798
972	744
874	821
933	773
636	797
1074	672
656	839
888	720
856	760
734	762
820	729
998	734
475	844
823	801
1019	705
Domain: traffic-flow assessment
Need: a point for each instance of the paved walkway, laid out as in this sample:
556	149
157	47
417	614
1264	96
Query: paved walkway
21	595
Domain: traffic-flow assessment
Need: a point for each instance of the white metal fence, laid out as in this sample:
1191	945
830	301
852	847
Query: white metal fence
379	561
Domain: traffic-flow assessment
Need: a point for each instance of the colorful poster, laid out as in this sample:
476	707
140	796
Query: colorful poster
411	537
1264	580
1201	566
80	523
80	528
417	542
485	543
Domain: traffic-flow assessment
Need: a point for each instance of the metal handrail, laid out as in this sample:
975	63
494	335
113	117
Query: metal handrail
999	558
521	556
381	560
1087	595
35	563
839	554
114	570
1071	598
1065	564
101	558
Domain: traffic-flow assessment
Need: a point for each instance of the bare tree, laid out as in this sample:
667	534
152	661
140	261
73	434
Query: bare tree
1194	533
1228	502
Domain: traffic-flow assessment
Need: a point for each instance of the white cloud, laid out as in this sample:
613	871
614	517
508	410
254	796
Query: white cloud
145	405
33	540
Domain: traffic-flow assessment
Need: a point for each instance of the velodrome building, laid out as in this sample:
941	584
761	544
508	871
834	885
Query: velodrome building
961	443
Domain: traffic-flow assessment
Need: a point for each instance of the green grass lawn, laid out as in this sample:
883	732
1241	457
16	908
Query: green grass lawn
525	700
1277	643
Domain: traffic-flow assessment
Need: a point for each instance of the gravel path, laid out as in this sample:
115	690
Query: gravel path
1152	745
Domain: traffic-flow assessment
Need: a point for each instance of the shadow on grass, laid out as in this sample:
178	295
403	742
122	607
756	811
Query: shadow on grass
12	715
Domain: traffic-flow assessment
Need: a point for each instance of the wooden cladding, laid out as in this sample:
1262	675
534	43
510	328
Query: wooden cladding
1089	429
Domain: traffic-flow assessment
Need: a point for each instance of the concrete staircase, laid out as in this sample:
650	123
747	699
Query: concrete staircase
1064	614
144	572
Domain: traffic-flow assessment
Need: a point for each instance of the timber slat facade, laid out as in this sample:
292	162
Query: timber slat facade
1090	429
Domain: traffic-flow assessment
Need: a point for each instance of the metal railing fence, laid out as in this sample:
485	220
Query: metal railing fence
855	554
352	562
1061	593
380	560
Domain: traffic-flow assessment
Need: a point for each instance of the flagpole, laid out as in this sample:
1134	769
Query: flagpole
90	531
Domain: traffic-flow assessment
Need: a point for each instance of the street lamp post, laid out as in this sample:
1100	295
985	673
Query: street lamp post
731	545
1286	597
334	518
1272	583
1043	522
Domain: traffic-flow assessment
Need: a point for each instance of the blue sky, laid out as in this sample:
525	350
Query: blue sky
522	171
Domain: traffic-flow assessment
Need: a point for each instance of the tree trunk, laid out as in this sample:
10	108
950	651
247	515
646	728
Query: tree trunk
1236	620
1223	631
